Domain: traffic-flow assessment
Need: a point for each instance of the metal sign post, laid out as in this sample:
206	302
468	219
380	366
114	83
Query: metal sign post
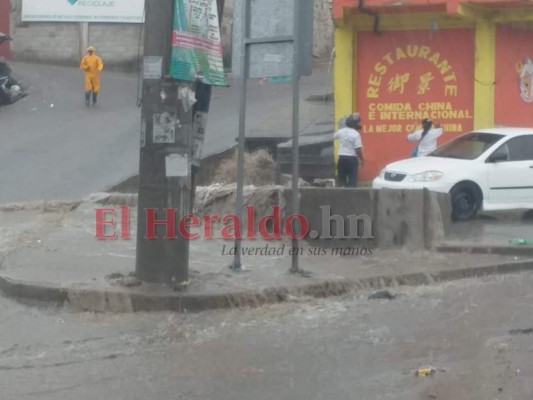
295	136
270	42
244	65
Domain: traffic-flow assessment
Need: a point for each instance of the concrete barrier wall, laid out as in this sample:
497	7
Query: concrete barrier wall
385	219
413	219
399	218
323	208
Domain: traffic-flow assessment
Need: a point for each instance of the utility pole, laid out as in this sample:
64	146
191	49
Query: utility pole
170	153
165	180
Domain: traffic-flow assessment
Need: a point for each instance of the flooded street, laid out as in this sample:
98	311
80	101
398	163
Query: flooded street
473	332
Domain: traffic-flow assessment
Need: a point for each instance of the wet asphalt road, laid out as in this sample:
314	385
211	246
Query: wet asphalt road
342	348
53	147
497	228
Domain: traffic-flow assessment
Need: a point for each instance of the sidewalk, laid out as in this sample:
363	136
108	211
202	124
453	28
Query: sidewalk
53	256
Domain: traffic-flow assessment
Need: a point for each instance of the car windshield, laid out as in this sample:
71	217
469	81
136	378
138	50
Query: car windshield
467	147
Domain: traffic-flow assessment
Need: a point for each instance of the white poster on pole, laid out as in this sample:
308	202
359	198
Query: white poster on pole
123	11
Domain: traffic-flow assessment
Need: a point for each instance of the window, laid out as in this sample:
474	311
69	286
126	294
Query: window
517	149
467	147
502	153
521	148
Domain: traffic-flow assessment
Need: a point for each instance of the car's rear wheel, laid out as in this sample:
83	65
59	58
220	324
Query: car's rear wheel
466	202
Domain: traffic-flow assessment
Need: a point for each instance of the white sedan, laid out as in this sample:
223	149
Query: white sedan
489	169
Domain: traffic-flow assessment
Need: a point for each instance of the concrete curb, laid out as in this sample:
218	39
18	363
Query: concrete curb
134	300
497	250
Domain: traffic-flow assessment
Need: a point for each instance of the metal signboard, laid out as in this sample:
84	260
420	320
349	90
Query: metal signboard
271	36
125	11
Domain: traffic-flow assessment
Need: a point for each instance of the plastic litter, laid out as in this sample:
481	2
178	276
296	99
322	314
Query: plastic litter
425	371
382	295
520	241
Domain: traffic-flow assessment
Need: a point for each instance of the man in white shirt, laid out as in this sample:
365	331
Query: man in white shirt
350	151
426	138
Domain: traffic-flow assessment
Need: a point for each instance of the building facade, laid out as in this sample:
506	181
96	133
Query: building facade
63	42
118	43
464	64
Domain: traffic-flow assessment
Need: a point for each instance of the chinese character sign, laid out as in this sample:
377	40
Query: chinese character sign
196	44
405	76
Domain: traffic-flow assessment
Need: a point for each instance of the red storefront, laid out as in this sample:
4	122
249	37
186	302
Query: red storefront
465	64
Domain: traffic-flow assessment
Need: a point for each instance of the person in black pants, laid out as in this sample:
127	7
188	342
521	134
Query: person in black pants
350	151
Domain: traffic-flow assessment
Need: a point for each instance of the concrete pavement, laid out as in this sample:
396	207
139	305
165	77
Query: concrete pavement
54	256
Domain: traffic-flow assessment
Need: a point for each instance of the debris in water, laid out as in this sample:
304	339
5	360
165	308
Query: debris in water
520	242
115	275
130	281
260	169
528	331
182	286
382	295
426	371
305	274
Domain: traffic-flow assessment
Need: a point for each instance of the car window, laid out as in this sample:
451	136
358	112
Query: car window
467	147
502	151
521	148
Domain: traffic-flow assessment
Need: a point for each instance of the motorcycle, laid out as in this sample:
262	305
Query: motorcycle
10	90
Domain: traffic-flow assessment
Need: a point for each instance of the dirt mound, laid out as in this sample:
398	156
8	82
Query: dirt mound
259	169
220	199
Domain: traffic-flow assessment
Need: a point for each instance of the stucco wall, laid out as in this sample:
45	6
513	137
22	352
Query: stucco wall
118	44
59	43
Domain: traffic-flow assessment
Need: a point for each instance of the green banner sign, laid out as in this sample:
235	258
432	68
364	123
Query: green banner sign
196	43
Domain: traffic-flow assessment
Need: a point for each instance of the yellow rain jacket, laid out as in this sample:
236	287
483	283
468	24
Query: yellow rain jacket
92	65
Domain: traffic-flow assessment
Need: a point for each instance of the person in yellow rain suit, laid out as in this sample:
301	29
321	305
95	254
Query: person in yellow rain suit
92	65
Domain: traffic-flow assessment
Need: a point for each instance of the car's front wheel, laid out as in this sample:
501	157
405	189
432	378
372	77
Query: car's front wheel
466	202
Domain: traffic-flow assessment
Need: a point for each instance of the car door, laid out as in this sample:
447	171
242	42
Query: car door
510	172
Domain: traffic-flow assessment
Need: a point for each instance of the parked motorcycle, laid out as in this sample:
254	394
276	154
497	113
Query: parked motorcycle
10	90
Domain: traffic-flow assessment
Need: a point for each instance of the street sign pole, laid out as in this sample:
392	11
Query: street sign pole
261	50
244	63
295	134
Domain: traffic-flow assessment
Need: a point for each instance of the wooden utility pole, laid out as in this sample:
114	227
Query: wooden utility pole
168	167
164	176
